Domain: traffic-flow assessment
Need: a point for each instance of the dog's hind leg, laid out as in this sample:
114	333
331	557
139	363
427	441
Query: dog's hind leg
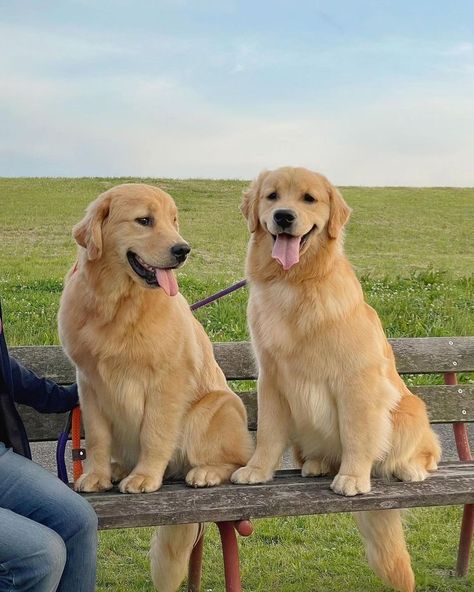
415	447
216	439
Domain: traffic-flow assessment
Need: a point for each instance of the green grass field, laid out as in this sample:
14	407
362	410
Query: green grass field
413	251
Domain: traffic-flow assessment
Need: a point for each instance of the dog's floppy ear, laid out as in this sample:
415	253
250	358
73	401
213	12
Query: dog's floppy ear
249	206
88	232
339	212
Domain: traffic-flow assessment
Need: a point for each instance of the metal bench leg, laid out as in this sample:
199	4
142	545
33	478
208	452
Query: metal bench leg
230	551
465	541
467	524
195	564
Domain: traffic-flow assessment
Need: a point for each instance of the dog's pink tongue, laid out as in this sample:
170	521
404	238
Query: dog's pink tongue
166	279
286	250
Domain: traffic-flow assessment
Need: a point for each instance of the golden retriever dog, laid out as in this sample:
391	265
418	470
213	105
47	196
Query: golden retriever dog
327	377
153	398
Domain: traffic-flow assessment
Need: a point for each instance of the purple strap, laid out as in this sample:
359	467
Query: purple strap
209	299
60	452
61	449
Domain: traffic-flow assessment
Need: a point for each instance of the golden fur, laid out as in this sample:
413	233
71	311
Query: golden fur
327	377
152	395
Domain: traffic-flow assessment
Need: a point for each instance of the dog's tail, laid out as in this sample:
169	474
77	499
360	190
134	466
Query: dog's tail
382	531
170	550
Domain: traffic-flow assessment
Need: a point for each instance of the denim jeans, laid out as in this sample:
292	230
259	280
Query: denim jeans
48	533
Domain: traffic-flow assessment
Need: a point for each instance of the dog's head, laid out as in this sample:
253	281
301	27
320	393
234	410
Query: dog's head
134	229
297	208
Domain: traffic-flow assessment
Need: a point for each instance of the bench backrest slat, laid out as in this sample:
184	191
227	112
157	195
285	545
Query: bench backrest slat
413	355
445	405
418	355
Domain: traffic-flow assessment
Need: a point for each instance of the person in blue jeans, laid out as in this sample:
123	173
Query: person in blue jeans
48	533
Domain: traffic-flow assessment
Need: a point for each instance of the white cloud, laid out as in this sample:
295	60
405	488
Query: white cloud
159	128
112	123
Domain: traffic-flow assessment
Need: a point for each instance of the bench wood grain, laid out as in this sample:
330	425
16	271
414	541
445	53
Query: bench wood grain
287	495
419	355
446	404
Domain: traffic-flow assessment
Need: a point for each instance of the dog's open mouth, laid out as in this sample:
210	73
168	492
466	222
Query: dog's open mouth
287	248
155	277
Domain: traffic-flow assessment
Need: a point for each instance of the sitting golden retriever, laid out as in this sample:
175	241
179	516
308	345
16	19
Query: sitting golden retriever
153	398
327	376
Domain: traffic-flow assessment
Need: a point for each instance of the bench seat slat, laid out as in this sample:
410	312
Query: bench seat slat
287	495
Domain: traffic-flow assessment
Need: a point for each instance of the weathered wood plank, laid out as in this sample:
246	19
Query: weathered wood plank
46	360
41	427
446	404
236	360
423	355
429	355
287	495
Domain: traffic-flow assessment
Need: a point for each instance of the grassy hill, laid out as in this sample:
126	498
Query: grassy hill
412	249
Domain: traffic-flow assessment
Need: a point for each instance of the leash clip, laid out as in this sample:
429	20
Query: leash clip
79	454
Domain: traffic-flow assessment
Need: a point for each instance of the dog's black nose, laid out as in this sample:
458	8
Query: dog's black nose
180	251
284	218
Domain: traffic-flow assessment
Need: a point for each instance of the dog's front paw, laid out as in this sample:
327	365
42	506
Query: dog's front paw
350	484
203	477
89	482
315	468
251	475
136	483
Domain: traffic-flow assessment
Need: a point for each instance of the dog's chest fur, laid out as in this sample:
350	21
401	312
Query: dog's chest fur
128	363
303	363
313	410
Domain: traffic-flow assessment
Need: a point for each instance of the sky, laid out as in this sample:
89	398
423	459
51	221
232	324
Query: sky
368	92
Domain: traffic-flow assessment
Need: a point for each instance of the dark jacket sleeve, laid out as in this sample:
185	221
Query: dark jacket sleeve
40	393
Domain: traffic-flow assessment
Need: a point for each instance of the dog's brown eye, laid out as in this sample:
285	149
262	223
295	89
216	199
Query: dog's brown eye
146	221
308	198
272	196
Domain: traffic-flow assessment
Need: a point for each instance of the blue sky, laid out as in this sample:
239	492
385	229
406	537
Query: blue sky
368	92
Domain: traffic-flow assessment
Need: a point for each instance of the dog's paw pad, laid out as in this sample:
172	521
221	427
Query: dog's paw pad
250	475
315	468
136	483
350	485
91	482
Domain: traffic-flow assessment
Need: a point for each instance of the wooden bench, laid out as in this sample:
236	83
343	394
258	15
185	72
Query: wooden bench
231	506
